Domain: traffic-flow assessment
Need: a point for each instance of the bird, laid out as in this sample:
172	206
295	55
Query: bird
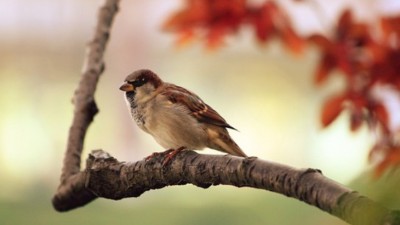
177	118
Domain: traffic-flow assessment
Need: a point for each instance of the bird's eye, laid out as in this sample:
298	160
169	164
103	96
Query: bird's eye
139	82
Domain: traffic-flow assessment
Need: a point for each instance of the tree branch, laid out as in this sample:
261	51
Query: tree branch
108	178
85	109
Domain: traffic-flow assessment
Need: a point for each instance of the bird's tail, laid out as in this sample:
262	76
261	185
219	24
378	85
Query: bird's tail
223	142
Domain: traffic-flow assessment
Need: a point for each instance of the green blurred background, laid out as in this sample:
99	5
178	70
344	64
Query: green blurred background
263	91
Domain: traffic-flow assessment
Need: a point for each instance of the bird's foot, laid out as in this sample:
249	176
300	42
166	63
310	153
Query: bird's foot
171	154
156	154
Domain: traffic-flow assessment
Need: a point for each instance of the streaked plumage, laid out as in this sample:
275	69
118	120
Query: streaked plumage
175	116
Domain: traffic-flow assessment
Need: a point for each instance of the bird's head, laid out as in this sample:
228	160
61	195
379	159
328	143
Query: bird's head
140	85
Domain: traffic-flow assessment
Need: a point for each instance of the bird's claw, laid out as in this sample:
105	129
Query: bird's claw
171	154
156	154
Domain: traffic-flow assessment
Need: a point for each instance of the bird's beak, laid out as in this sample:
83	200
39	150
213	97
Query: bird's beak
127	87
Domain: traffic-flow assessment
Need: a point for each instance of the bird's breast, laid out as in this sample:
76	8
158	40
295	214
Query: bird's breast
173	127
138	114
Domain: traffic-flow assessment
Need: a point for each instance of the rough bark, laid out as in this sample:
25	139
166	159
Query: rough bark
106	177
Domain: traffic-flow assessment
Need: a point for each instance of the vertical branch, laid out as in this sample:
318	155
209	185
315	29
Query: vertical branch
83	100
85	107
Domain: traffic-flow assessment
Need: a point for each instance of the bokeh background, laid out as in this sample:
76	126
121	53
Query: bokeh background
263	91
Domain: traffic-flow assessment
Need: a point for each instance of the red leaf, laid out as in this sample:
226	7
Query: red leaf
332	109
342	55
327	64
321	41
292	41
381	114
356	120
358	103
215	37
215	19
344	24
389	26
262	21
194	13
184	37
264	30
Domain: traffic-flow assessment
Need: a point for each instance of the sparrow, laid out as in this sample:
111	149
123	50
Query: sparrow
176	117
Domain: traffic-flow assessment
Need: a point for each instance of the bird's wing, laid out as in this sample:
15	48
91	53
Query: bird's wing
198	109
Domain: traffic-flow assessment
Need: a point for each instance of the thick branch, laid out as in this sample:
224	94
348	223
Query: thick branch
106	177
85	106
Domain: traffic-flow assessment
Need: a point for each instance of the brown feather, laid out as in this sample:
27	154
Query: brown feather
200	110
